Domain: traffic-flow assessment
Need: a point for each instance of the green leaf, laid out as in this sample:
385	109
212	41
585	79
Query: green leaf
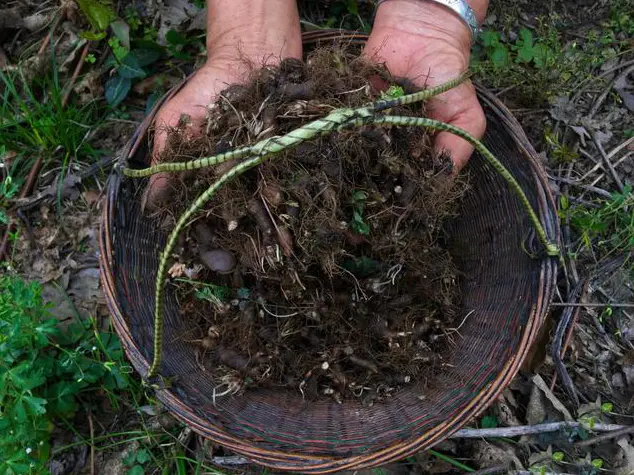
130	68
525	51
36	405
143	456
144	56
359	195
19	412
117	89
118	50
129	459
122	31
597	463
173	37
489	422
500	56
136	470
490	38
607	407
543	56
526	37
92	35
98	14
558	457
353	7
393	92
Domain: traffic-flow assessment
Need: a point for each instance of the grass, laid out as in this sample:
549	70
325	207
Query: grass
34	122
607	229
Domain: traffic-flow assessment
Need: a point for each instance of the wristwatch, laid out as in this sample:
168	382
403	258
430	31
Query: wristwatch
461	8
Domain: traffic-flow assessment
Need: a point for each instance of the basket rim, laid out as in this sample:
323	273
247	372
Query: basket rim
306	463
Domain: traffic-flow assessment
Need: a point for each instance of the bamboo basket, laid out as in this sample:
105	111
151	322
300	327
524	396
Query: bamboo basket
507	291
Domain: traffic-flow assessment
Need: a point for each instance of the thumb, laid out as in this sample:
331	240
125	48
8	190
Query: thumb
162	185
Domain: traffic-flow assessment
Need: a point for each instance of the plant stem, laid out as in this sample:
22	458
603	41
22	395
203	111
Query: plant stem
451	461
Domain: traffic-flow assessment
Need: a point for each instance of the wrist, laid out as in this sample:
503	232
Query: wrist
253	30
429	19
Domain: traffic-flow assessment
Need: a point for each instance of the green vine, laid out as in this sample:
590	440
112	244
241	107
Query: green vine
337	120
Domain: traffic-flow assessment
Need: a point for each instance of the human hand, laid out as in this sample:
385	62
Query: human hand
426	43
241	34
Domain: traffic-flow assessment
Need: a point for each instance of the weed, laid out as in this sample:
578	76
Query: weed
46	373
135	461
558	151
358	224
8	188
541	64
133	48
609	227
35	122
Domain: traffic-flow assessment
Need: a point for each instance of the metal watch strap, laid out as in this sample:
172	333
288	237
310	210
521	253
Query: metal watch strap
460	8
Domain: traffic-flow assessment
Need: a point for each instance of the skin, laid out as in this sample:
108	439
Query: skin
241	33
416	39
429	45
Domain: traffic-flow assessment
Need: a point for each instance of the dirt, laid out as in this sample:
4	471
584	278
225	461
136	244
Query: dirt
324	269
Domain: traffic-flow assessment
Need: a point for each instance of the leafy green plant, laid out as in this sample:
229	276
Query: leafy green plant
611	225
8	188
34	121
540	64
125	63
525	50
135	460
558	151
45	373
127	67
358	224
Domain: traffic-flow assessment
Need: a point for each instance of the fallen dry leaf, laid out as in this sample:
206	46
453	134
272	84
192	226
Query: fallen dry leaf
84	284
536	407
623	86
91	196
501	453
626	465
36	21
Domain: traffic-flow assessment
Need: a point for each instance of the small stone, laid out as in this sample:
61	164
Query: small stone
219	260
398	189
204	234
325	365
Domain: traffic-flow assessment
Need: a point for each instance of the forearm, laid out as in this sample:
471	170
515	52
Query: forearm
251	28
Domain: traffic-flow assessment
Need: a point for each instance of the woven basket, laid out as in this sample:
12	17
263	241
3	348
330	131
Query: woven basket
506	291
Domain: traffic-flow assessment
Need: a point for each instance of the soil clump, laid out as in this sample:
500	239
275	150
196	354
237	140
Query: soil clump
323	270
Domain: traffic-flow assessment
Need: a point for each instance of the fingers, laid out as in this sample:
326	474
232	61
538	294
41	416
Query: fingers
459	107
157	193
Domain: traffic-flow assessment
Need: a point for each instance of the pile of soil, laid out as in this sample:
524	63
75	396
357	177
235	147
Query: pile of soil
323	270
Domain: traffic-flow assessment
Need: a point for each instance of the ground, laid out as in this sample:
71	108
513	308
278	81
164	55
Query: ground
566	71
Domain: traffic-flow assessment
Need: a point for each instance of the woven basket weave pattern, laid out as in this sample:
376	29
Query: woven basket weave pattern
506	290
